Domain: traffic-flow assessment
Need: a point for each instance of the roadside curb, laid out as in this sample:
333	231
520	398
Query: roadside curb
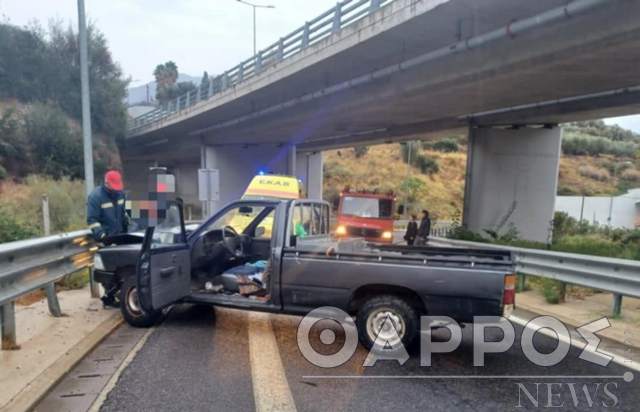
28	398
610	336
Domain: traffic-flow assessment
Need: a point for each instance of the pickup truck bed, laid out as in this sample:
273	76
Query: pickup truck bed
459	283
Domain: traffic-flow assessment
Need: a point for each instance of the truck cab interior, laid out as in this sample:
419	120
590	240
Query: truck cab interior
227	259
230	254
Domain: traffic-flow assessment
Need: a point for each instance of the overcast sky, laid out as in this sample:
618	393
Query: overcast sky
212	35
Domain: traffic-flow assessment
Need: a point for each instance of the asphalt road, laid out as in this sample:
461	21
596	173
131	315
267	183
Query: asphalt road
203	359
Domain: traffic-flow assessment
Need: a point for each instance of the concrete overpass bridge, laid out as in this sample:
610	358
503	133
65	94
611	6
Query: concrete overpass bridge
371	71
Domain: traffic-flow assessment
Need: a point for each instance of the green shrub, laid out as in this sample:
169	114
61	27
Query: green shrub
445	145
67	204
426	164
460	232
76	280
11	229
552	290
586	145
591	244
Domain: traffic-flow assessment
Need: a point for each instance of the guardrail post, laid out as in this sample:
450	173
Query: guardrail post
210	89
258	63
177	104
8	326
52	300
280	49
337	18
617	305
188	100
93	285
224	81
522	279
46	221
240	72
375	5
305	35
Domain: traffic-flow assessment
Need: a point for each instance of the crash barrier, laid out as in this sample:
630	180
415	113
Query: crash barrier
28	265
439	228
332	21
618	276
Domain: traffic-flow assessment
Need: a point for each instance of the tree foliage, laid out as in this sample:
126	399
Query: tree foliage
167	87
56	147
166	76
38	66
599	129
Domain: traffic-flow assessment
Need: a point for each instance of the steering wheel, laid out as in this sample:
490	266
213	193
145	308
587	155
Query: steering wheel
232	241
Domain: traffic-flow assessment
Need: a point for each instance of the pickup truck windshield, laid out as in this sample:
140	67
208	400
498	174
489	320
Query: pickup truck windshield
241	217
366	207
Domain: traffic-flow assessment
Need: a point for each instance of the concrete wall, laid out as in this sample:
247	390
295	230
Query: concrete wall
309	170
512	180
620	211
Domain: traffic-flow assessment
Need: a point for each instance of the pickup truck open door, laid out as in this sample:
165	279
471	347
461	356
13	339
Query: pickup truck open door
163	272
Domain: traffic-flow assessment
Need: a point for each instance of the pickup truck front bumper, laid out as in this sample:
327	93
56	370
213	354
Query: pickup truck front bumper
104	277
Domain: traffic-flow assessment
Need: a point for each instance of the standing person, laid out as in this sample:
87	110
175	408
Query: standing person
424	229
412	231
106	216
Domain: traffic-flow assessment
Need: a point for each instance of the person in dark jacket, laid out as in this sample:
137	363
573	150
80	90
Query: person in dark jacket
412	231
106	214
424	229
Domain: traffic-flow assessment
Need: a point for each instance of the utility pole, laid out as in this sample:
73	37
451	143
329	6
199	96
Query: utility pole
255	6
86	104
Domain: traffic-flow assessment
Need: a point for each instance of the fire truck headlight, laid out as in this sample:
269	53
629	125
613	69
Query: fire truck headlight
387	235
341	230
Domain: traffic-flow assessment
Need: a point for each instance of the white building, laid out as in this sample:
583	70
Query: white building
619	211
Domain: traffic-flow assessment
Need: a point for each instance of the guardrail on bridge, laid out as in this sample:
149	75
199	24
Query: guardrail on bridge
332	21
28	265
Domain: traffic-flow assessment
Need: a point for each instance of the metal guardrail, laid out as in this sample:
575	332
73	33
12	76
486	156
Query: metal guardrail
332	21
33	264
619	276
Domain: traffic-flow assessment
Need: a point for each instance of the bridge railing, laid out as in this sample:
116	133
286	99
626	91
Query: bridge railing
33	264
618	276
332	21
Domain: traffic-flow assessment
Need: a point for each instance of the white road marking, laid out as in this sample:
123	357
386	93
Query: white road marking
619	359
95	406
271	390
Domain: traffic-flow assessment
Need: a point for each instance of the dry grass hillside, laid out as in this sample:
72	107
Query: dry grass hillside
382	168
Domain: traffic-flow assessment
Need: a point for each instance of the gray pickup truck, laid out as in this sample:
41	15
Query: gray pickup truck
278	256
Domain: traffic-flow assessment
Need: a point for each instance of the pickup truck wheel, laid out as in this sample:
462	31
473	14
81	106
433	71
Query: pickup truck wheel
130	307
389	317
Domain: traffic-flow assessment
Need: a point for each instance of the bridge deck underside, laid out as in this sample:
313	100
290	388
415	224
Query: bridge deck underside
376	90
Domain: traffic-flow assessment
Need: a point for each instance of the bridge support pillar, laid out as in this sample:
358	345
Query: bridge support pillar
512	177
238	164
309	170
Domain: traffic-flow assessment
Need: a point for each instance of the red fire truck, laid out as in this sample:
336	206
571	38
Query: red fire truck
366	214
